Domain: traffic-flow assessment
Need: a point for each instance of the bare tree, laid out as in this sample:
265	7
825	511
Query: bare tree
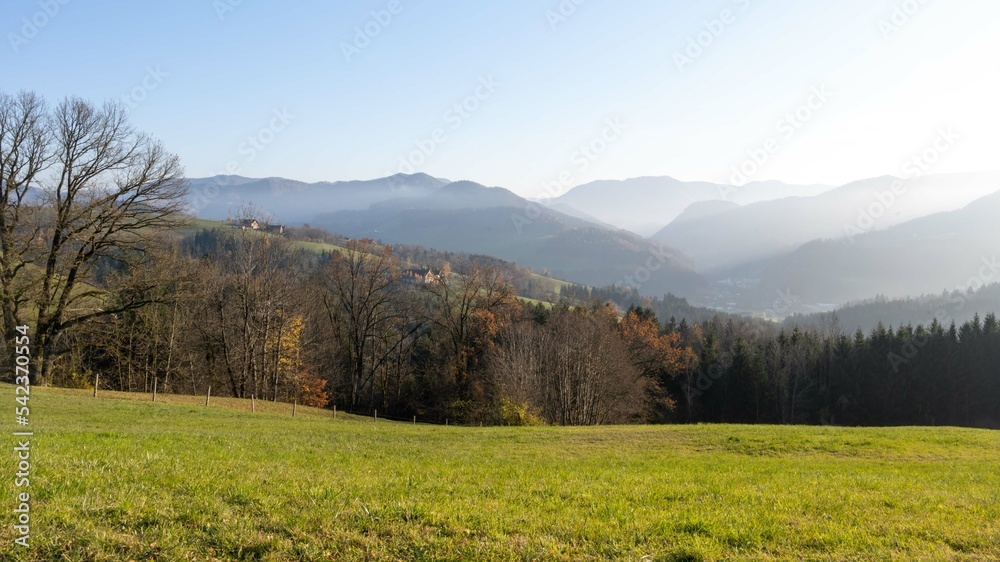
359	298
112	187
576	369
80	185
590	378
25	153
470	309
517	364
251	304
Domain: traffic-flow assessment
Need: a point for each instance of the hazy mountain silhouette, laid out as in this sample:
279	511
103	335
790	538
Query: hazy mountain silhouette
645	205
944	251
293	201
724	240
468	217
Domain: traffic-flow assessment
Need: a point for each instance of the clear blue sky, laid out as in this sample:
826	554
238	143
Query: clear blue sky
223	73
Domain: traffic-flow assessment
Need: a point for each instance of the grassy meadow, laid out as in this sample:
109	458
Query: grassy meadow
120	478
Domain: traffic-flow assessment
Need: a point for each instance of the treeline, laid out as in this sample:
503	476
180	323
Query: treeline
246	314
924	375
522	278
251	316
92	262
955	306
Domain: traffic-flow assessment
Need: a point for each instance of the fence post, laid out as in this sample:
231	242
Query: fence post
208	395
414	420
154	390
97	382
295	404
376	416
253	403
334	412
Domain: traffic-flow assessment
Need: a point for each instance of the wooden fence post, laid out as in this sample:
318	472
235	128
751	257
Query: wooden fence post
154	390
253	403
294	405
208	395
97	382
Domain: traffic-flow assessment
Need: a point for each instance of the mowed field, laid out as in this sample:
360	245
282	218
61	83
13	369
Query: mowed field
120	478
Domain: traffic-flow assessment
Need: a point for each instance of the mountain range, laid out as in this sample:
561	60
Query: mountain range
953	250
725	237
724	246
663	199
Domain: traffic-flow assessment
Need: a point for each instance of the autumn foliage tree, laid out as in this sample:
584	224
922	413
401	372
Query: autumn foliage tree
661	358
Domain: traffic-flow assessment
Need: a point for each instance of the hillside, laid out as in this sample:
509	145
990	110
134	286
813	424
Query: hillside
947	307
647	204
118	479
468	217
532	287
722	241
295	202
941	252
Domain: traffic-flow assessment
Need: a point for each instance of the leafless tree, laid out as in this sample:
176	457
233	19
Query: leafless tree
470	309
360	300
80	185
252	302
25	153
576	370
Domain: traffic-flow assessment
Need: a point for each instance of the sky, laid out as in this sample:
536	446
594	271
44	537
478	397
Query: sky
533	95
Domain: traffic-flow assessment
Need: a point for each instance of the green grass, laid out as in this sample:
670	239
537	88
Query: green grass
195	225
545	304
317	247
120	478
551	284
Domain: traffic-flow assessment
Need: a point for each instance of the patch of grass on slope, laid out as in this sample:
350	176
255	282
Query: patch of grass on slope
119	479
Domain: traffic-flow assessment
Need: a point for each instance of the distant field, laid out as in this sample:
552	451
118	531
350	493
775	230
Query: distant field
195	225
550	284
120	478
317	247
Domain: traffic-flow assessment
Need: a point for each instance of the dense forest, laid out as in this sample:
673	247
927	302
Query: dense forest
954	306
99	260
248	314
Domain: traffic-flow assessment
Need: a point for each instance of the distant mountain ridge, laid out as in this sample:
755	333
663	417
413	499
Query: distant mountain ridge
953	250
876	236
647	204
751	233
294	201
469	217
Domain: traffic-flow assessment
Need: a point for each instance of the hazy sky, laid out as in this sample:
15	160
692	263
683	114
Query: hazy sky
294	89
